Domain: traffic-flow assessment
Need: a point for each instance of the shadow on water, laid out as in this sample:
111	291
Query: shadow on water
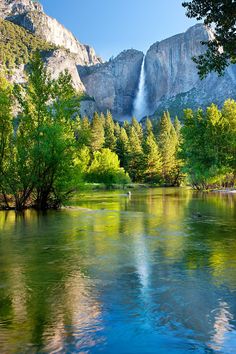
121	275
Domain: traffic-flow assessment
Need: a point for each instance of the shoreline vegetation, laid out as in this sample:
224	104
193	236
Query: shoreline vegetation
98	187
47	152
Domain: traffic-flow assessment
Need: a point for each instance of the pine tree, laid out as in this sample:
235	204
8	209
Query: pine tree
168	144
135	157
117	130
138	128
84	133
152	159
103	119
122	147
109	129
148	126
126	126
97	133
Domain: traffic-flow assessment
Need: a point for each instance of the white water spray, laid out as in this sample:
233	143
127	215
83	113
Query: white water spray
140	103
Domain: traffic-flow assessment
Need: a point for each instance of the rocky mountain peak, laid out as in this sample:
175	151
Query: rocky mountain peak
30	15
171	75
14	7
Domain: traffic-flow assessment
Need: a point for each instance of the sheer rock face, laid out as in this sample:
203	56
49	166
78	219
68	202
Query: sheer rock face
114	84
30	15
17	7
172	81
171	72
58	61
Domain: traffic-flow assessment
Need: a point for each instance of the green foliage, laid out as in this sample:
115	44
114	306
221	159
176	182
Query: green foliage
97	133
152	158
109	130
209	146
51	150
135	157
138	128
41	163
105	168
122	146
6	133
83	132
221	15
137	149
17	44
168	143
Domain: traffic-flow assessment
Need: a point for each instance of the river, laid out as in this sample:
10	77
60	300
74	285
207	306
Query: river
150	273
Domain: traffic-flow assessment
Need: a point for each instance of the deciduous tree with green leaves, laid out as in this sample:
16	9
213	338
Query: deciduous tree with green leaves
41	164
6	135
105	168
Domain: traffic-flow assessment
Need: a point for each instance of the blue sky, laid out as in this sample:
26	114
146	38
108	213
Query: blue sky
111	26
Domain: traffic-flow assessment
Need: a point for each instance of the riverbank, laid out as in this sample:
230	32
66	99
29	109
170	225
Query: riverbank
126	189
226	191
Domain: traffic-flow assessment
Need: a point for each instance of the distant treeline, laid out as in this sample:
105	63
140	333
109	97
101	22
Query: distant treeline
48	151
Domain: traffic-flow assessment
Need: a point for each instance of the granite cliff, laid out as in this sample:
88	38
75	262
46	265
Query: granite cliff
114	84
171	77
31	16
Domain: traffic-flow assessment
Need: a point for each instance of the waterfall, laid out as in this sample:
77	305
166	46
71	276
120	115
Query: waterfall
140	103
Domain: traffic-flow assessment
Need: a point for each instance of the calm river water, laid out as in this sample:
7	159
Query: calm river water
154	273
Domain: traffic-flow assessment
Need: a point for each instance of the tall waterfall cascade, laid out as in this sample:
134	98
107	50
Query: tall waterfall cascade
140	108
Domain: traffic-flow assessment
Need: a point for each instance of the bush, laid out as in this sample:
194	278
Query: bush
105	168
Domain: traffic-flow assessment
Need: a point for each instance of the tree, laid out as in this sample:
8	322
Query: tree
135	158
138	128
221	50
122	146
27	164
97	133
168	144
152	159
66	102
42	159
148	126
83	132
6	134
229	143
109	129
208	146
105	168
117	129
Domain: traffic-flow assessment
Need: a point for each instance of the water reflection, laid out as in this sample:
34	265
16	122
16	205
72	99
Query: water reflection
117	274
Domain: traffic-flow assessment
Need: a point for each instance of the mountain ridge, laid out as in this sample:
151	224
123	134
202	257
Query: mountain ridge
171	77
